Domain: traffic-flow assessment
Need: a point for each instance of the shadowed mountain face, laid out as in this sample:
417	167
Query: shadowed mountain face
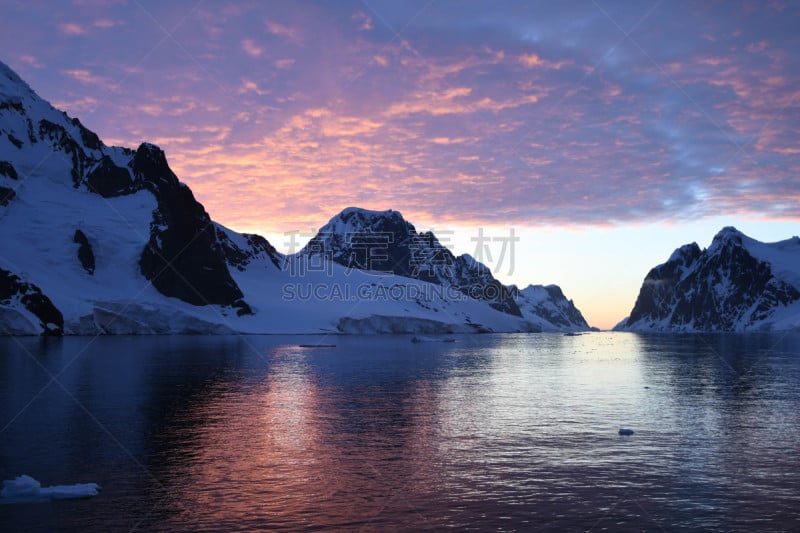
182	258
737	284
383	241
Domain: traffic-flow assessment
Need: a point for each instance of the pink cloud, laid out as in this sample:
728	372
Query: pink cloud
250	48
530	60
105	23
363	20
433	112
87	77
454	102
757	47
248	86
31	60
71	28
449	140
281	30
283	64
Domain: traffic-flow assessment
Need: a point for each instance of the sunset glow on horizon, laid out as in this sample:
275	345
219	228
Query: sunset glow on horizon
605	134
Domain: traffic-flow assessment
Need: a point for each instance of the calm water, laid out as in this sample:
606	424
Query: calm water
493	432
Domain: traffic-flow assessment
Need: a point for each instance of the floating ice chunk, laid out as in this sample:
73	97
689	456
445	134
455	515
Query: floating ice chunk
625	431
24	489
66	492
21	486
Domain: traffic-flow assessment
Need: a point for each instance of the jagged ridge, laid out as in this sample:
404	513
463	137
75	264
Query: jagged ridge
737	284
384	241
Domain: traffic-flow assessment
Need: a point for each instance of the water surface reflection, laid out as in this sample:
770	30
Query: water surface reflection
490	432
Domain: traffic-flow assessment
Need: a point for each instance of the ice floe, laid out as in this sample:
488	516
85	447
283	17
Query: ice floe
25	489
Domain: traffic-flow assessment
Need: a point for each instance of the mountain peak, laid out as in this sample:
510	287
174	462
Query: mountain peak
151	148
730	236
729	233
14	92
383	241
736	284
549	302
349	213
685	254
10	79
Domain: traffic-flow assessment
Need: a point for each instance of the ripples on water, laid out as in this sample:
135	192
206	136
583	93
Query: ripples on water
493	432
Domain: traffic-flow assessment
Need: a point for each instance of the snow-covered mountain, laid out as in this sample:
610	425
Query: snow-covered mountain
383	241
736	284
548	304
99	239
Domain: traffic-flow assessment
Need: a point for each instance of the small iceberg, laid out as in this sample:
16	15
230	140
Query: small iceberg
432	339
625	431
25	489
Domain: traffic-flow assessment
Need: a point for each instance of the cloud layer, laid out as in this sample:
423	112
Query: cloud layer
279	115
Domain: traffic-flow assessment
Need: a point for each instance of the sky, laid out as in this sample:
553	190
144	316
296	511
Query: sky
602	135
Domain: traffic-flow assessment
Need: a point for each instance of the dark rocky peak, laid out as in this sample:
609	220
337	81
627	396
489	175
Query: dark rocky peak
380	241
555	292
729	232
183	258
149	165
355	220
728	236
686	254
366	217
384	241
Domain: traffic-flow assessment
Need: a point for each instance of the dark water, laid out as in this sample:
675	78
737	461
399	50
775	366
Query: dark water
493	432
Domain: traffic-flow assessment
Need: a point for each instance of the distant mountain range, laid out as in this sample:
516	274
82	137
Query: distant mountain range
98	239
736	284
